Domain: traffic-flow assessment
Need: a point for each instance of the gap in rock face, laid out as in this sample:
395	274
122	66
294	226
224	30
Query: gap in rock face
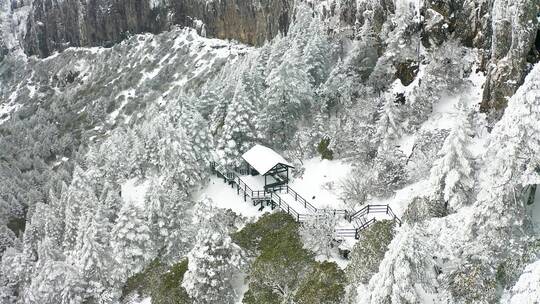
534	54
537	41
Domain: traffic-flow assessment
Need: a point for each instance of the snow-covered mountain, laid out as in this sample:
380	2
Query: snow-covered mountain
119	122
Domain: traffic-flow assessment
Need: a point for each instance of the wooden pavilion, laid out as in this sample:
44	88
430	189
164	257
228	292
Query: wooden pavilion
268	163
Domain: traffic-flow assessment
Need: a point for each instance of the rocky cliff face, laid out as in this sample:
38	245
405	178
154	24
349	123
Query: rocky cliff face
55	25
513	49
506	33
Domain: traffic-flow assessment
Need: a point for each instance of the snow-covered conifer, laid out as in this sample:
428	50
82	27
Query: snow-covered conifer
452	175
81	195
131	239
212	264
289	95
169	215
389	124
317	53
240	130
93	255
406	273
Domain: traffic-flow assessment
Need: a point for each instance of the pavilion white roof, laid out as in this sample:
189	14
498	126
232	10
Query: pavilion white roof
263	159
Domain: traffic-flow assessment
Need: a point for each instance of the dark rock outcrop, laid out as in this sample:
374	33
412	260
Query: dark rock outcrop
467	20
515	26
54	25
406	71
503	30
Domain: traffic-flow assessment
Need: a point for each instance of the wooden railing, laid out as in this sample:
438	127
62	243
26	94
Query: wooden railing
374	209
285	207
297	197
271	194
347	232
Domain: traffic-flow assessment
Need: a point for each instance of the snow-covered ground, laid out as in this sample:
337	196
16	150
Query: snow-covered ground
401	199
142	301
221	195
320	184
134	191
6	110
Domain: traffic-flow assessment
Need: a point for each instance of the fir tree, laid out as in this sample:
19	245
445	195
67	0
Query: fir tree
93	255
81	195
289	95
317	54
212	264
132	243
239	131
452	174
405	273
389	124
170	216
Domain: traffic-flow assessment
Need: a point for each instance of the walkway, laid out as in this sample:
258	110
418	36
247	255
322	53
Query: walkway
289	201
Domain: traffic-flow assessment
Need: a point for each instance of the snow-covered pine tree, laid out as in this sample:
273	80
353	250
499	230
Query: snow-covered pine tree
279	46
93	255
209	100
224	86
111	201
212	264
54	281
131	240
289	95
240	130
389	124
406	273
169	214
15	270
7	239
192	144
452	175
317	53
81	195
388	172
256	77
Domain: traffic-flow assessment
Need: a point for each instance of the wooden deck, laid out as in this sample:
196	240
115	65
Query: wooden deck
289	201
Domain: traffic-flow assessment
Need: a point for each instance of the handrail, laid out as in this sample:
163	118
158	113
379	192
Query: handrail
370	209
271	193
297	197
284	206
